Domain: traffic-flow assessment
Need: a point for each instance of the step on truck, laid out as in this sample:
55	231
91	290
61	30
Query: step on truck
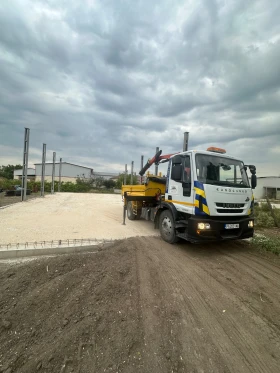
205	196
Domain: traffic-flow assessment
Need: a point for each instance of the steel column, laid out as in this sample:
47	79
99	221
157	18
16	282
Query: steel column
142	165
43	171
131	175
25	164
186	141
60	171
156	166
53	172
125	174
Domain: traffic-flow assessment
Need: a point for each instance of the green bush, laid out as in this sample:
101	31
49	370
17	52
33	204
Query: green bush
8	184
81	186
264	220
267	244
263	217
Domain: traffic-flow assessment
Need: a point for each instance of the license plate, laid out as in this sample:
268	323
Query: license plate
231	226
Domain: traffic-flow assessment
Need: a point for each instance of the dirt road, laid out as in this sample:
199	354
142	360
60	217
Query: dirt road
143	306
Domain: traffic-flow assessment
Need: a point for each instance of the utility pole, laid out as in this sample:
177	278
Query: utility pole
53	172
60	171
43	171
25	164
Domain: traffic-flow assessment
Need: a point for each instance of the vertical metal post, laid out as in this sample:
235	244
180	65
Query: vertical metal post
43	171
131	175
156	166
25	164
125	174
142	165
186	141
53	172
60	171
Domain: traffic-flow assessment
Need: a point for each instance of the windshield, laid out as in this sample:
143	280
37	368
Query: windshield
218	170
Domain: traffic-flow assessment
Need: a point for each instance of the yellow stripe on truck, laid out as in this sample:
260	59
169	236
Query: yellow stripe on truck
200	192
204	207
181	203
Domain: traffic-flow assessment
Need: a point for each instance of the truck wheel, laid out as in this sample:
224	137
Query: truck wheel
130	214
138	216
166	227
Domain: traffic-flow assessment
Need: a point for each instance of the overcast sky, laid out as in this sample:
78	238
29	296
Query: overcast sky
103	81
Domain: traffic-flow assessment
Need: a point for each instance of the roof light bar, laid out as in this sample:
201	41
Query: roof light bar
216	150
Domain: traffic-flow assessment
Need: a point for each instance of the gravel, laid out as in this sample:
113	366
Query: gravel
69	216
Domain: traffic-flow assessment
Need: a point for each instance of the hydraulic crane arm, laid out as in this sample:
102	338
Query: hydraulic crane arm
158	158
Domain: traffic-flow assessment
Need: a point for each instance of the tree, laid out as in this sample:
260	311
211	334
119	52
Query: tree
99	182
109	184
83	185
8	171
120	180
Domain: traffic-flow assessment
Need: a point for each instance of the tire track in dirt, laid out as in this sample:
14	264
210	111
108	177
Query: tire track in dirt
157	335
264	301
241	339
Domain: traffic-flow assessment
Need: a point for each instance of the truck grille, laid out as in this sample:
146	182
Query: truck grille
230	205
230	211
230	208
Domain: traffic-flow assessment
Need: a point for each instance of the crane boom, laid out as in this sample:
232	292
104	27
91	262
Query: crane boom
156	159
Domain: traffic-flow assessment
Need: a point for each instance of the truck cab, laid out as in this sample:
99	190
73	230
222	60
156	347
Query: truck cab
209	195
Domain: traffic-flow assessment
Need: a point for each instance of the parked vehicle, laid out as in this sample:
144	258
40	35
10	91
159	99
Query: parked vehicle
17	191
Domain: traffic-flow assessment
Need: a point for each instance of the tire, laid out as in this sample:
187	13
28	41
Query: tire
138	216
167	228
130	214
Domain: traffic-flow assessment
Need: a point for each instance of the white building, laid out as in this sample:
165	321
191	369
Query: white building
30	174
268	185
69	172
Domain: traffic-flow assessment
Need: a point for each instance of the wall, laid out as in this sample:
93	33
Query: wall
49	179
269	182
30	174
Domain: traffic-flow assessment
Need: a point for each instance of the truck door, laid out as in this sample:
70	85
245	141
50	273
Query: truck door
180	187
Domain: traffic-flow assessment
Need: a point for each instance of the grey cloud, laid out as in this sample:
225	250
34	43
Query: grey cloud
99	78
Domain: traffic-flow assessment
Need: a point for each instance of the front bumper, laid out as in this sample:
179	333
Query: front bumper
217	231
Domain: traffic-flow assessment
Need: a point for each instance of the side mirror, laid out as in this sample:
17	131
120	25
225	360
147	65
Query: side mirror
253	181
176	172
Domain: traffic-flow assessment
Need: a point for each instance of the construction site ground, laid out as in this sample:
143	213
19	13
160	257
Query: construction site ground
139	305
64	216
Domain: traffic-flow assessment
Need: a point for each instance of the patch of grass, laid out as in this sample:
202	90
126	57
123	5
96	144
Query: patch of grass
263	218
264	243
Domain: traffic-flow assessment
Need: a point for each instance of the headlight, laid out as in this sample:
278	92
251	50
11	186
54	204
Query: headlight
202	226
251	224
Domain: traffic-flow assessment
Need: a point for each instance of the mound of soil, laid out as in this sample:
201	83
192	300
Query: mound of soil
74	313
